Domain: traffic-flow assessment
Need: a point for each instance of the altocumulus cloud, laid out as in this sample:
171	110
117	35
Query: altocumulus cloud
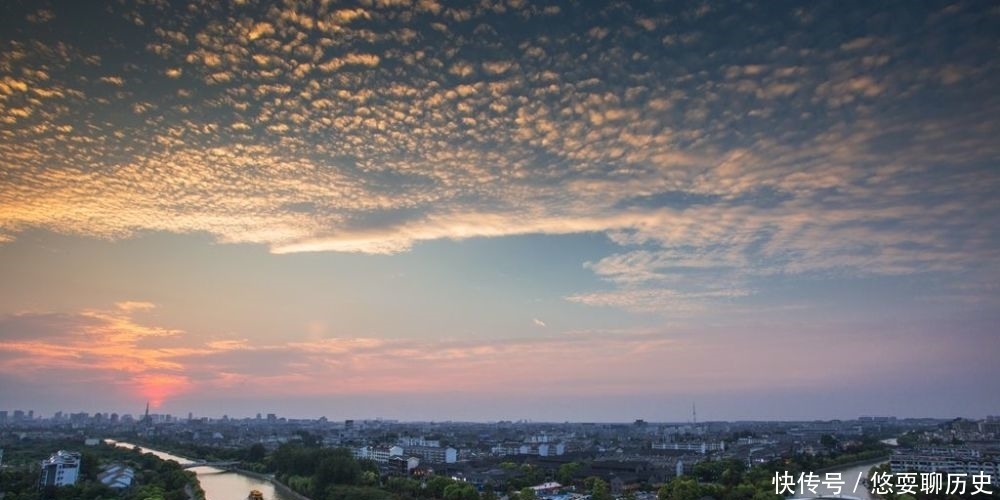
749	139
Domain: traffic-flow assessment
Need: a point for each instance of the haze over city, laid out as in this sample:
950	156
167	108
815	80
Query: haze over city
429	210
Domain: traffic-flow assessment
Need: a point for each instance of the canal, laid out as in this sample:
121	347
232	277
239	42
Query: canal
220	484
849	476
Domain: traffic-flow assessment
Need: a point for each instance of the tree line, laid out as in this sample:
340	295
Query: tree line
154	479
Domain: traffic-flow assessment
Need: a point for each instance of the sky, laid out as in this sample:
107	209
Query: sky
501	210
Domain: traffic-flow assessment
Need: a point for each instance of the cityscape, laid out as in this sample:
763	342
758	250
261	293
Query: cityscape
637	460
499	250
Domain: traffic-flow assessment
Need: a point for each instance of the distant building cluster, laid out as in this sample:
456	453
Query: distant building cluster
948	460
405	457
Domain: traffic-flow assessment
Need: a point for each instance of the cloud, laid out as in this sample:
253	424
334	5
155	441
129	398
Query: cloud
109	350
746	157
41	16
106	345
131	305
659	300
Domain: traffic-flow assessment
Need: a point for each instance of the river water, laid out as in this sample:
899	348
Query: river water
848	475
219	484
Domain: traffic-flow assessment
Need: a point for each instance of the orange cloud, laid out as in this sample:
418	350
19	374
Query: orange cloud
109	349
158	387
108	343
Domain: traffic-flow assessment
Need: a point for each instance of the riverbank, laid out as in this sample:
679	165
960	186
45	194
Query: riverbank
192	488
278	485
220	484
851	465
189	490
852	481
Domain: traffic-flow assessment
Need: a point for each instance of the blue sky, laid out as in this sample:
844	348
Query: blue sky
507	209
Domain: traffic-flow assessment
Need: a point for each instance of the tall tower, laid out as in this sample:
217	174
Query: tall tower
694	414
145	416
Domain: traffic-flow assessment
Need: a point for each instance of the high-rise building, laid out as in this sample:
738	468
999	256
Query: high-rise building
61	469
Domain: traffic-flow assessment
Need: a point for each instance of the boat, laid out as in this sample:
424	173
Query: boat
255	495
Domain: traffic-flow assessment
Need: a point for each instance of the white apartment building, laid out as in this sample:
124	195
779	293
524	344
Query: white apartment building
543	450
432	454
418	441
946	462
61	469
378	455
695	447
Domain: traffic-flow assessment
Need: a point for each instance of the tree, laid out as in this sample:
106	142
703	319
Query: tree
488	493
404	486
715	471
149	492
437	484
532	474
741	492
256	453
600	490
295	460
336	466
88	466
369	478
527	494
663	493
684	488
460	491
566	472
829	441
767	494
908	440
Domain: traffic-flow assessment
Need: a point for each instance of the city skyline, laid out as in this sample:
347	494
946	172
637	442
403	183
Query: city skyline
27	416
565	211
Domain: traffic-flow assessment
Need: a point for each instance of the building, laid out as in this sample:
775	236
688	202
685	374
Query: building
400	466
432	454
505	449
695	447
547	488
61	469
543	450
946	461
990	426
550	450
379	455
418	441
116	476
